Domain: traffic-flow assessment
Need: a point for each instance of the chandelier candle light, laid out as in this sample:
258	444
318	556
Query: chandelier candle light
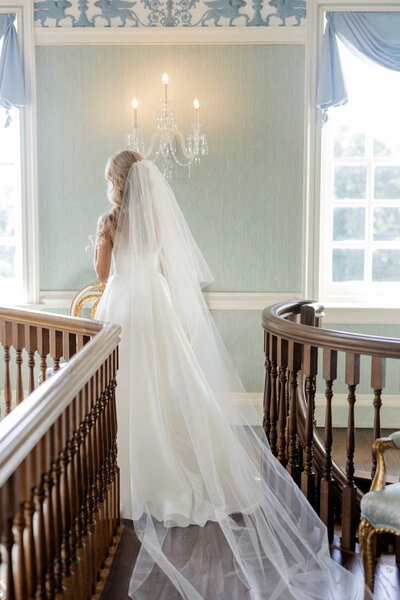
167	142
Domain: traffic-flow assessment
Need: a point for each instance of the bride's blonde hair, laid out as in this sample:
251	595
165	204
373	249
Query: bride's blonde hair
117	169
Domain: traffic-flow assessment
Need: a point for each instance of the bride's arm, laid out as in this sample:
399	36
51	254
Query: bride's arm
102	254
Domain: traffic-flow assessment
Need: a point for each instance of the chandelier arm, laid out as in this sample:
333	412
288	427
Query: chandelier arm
150	149
179	135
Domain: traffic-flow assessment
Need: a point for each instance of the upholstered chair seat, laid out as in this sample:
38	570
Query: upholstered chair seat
380	507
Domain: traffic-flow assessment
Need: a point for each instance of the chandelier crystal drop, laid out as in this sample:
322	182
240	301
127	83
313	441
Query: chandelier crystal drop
168	145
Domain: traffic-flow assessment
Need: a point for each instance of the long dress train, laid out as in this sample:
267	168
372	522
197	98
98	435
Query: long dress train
218	517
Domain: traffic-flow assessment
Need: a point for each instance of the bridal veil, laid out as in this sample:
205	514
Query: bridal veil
217	516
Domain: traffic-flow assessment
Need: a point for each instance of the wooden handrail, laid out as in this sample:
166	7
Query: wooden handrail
77	325
274	319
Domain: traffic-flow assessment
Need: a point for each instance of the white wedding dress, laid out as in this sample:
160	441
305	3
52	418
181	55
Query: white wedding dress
218	517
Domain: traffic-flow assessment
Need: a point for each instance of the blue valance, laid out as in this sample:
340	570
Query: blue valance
374	35
12	88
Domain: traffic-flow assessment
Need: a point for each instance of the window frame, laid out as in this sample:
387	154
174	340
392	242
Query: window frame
313	217
28	144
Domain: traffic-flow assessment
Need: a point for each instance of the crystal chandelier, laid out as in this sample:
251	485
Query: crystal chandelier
167	144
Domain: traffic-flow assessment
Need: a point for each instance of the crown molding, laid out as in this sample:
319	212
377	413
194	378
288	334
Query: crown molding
132	36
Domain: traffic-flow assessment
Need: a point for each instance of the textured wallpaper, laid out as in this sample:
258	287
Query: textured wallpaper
169	13
243	203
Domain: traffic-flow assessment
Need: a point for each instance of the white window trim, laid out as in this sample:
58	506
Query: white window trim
29	193
344	310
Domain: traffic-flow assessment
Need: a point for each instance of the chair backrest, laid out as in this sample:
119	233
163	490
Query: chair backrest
91	293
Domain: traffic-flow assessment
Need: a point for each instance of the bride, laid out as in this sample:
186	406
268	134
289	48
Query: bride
217	516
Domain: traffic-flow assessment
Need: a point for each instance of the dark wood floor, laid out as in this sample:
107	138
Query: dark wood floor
387	576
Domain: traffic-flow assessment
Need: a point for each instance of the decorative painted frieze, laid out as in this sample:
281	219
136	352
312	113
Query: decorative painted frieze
169	13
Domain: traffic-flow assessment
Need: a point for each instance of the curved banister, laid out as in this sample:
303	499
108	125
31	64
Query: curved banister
59	477
274	319
292	363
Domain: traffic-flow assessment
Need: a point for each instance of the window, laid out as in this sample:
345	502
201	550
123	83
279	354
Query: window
11	284
360	189
18	179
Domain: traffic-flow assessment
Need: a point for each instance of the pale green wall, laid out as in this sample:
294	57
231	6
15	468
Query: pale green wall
245	203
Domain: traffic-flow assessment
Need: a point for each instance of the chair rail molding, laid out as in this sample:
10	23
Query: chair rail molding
54	300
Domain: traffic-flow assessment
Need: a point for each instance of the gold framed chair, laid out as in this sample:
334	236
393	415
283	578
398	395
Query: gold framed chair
91	293
380	507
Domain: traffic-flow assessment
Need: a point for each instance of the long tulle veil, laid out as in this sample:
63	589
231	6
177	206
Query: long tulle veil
240	528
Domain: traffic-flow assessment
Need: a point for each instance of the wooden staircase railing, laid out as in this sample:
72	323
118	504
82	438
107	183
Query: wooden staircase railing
295	347
59	479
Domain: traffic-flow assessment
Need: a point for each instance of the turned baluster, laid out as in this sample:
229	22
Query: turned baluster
50	518
100	454
57	507
377	383
309	369
8	509
107	465
7	341
327	485
294	365
20	527
65	457
110	448
73	500
41	452
29	510
115	468
56	347
43	349
349	492
31	347
115	444
76	496
273	353
18	332
282	363
267	388
91	496
84	549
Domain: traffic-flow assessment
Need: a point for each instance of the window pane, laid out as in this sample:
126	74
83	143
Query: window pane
387	183
7	258
386	140
386	265
347	265
9	188
387	224
350	182
349	140
348	224
7	226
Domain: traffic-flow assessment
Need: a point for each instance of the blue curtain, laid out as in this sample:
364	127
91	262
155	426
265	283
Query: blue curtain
12	88
374	35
